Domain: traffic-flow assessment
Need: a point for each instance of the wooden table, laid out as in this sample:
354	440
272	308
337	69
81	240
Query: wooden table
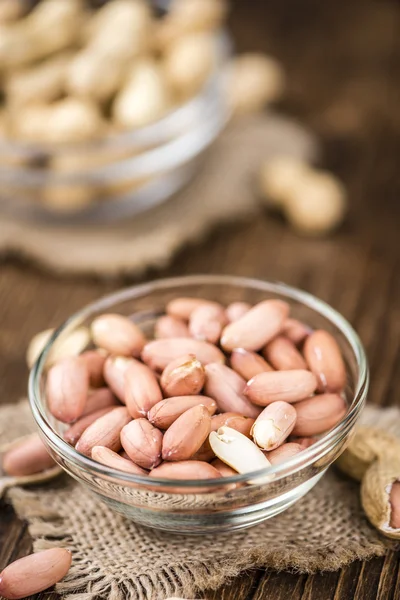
343	66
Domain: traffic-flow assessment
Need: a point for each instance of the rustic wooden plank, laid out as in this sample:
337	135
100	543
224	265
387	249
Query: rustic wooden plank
321	586
279	586
388	577
347	582
396	591
368	580
11	531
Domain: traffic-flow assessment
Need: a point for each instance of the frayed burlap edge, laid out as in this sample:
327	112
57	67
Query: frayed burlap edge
48	530
86	581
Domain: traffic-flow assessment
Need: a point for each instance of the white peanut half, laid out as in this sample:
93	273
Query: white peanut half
237	451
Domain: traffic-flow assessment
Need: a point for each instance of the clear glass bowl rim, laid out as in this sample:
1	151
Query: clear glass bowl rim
288	467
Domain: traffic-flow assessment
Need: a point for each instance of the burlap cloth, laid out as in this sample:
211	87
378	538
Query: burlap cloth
117	560
223	191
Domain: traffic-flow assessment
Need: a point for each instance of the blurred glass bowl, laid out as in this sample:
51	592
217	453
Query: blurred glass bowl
120	175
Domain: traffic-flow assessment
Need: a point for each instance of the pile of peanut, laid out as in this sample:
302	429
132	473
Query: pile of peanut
70	74
83	72
173	408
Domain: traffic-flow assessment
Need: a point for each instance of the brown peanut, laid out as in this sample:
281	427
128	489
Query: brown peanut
34	573
164	413
223	468
142	442
318	414
98	399
296	331
105	431
206	322
115	461
226	386
324	358
159	353
186	435
257	327
380	494
248	363
27	457
115	369
394	499
284	452
73	433
283	354
183	377
142	391
186	469
236	310
182	308
118	335
287	386
94	361
168	326
67	389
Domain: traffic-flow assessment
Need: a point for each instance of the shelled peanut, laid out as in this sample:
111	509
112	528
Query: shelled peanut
34	573
241	384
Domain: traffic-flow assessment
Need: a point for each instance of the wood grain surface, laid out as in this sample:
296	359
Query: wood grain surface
343	65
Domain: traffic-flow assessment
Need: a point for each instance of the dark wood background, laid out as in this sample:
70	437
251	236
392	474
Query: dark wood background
343	65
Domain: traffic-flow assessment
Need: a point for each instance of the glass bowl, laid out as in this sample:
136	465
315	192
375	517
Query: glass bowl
206	505
121	174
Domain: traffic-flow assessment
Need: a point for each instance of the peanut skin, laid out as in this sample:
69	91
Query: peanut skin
67	389
324	358
27	457
256	327
183	377
186	434
105	431
142	442
395	505
34	573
